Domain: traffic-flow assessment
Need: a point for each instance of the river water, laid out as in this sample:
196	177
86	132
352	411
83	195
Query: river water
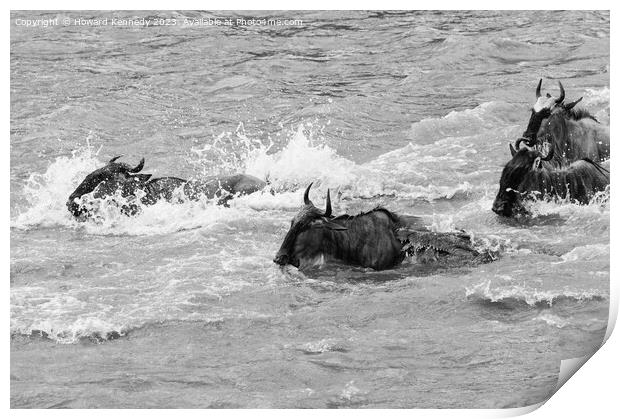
182	305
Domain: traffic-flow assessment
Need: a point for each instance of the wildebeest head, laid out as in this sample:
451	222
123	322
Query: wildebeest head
511	183
305	236
542	109
106	181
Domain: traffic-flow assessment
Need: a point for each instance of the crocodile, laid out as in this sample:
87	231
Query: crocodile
458	246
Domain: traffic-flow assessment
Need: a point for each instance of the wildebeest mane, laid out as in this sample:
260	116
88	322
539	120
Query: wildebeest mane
391	215
397	220
601	169
577	114
576	182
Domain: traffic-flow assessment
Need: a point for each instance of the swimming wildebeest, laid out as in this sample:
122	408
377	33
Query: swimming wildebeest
120	177
378	239
530	173
574	133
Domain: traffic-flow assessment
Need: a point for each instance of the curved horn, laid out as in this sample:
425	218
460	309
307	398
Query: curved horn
519	141
512	150
113	159
306	199
562	94
549	155
538	89
328	205
139	167
572	104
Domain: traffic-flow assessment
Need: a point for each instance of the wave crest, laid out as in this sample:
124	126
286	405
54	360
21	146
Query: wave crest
524	294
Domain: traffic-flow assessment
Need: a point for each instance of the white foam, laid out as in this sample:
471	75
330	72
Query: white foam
302	161
587	252
552	320
323	345
349	391
527	294
46	193
597	101
305	158
598	208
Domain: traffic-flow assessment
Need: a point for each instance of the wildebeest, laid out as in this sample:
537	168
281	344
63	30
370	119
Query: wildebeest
574	133
378	239
529	173
541	110
121	178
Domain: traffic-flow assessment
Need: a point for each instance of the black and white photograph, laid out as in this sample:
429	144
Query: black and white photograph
306	209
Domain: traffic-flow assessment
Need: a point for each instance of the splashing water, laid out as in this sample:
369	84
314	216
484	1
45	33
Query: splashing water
288	171
46	193
414	171
305	159
228	153
523	293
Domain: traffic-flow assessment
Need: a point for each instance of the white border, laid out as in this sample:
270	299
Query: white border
593	391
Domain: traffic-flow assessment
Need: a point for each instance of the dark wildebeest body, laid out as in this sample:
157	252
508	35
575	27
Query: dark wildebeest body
529	173
121	178
368	240
573	133
377	239
224	187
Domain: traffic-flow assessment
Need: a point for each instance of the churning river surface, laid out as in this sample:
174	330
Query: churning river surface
182	306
